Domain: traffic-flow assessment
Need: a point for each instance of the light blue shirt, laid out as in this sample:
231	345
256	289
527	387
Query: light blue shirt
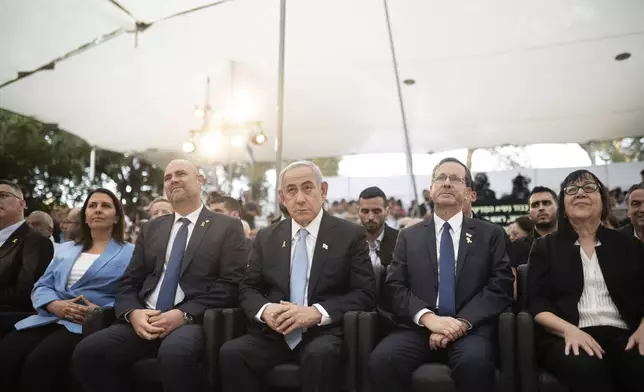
7	231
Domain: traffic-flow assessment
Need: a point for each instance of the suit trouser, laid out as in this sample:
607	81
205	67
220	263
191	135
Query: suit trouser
37	359
471	359
103	361
619	370
244	360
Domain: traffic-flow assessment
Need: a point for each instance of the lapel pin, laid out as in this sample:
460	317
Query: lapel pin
325	246
203	224
468	234
468	240
284	244
14	240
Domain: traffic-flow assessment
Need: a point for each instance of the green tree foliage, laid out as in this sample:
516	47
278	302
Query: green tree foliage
628	149
52	167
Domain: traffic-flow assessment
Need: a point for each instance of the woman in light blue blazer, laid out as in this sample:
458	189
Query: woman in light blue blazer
83	275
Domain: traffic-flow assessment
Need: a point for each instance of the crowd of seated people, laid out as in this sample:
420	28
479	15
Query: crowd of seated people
438	284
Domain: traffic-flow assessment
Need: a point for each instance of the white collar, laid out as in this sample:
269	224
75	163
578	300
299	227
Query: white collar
455	222
192	217
636	236
313	228
382	234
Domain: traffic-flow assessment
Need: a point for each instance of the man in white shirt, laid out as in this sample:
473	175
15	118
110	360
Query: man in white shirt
183	264
444	322
304	274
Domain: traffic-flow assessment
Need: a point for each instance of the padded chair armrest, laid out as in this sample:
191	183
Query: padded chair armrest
526	356
213	322
234	323
351	335
507	345
98	319
368	337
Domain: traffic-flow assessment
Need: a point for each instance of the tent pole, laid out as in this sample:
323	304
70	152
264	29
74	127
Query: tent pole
410	163
92	164
280	105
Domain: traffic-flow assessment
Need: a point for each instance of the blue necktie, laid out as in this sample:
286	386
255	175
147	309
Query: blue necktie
298	283
168	290
447	275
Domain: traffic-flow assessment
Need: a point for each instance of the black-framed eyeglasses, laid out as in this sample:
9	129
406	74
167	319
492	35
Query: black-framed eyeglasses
6	195
441	179
588	187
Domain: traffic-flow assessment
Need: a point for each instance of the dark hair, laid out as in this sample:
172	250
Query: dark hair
468	174
118	231
543	189
14	186
613	221
372	192
525	223
562	222
634	187
230	203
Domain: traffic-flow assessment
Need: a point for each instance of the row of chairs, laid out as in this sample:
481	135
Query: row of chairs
517	366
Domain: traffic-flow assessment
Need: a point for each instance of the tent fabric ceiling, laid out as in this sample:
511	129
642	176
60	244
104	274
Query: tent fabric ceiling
487	72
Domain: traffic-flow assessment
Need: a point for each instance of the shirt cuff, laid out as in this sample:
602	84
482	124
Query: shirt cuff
326	320
258	316
126	314
469	325
420	314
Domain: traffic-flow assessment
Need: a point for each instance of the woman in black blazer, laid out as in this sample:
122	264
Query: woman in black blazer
586	294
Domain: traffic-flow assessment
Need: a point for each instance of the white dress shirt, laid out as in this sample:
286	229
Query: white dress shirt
373	250
151	300
596	307
8	231
455	222
313	228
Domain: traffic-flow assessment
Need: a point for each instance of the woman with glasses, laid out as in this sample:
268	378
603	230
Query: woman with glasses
586	294
82	276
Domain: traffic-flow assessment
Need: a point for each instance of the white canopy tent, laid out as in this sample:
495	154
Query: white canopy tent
486	72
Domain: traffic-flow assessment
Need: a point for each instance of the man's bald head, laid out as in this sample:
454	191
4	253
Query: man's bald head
41	222
182	184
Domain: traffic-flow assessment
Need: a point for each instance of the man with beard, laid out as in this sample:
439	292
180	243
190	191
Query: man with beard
543	213
183	264
381	238
635	203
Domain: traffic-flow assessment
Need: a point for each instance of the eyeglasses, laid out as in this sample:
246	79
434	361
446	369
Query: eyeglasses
452	179
588	187
6	195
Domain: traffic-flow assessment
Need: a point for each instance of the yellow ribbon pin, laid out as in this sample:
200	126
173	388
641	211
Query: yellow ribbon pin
203	224
284	244
15	240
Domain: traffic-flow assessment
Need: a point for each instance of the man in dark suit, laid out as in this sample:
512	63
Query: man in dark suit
381	238
635	210
304	274
449	280
24	253
183	264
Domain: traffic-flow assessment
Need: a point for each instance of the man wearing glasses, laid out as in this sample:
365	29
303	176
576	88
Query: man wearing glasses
24	253
440	321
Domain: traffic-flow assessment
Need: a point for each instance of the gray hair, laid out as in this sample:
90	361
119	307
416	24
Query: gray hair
293	165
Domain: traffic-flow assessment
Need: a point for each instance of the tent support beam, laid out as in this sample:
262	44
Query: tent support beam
280	105
410	163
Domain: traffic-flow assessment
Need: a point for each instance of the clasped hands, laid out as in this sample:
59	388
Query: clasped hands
444	330
286	317
151	324
70	310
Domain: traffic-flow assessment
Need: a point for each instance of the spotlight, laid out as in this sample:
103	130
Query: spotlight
623	56
259	138
188	147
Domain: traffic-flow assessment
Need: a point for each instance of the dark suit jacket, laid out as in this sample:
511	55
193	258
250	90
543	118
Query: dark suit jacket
386	251
556	278
341	277
212	265
24	257
484	280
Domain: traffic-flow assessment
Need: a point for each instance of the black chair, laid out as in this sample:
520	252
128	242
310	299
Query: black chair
436	377
531	377
9	318
145	371
522	287
285	376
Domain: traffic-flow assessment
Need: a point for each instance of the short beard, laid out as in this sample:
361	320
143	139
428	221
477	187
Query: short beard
374	231
546	226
